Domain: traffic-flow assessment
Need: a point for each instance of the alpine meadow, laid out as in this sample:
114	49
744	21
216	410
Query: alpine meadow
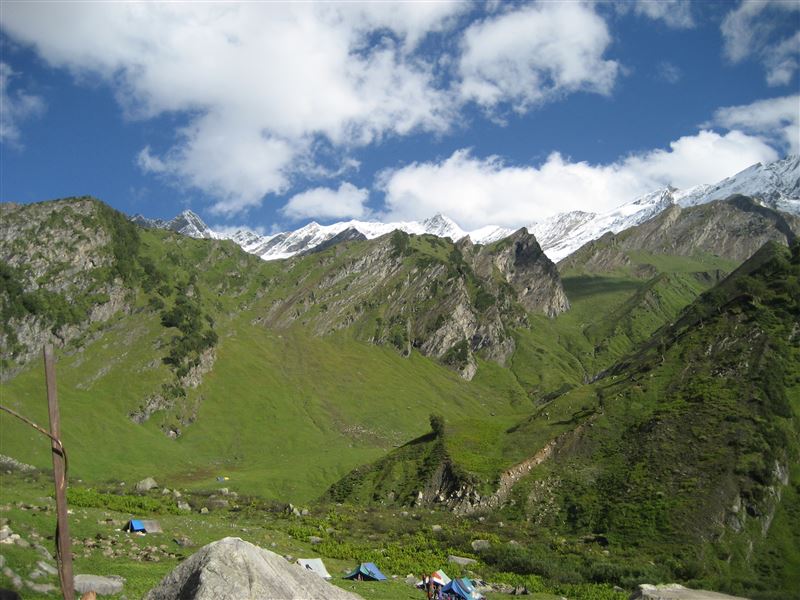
400	300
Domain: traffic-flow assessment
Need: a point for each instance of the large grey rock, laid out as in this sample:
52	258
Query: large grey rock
674	591
460	560
232	569
102	586
146	484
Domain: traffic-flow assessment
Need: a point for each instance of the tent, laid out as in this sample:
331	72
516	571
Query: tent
439	578
315	565
462	588
366	571
143	526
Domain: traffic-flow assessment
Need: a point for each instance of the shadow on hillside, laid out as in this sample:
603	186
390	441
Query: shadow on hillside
579	287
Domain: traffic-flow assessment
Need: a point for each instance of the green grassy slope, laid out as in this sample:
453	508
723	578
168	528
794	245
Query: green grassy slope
283	411
689	438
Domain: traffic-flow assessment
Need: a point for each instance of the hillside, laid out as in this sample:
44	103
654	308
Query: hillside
685	453
167	345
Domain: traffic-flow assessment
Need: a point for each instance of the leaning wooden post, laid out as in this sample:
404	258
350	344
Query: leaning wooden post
63	550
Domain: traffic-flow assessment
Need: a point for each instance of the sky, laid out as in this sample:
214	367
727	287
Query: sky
266	116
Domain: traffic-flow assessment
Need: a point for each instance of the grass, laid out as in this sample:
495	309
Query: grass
398	543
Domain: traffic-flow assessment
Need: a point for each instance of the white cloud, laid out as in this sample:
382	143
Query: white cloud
15	107
325	203
775	118
476	191
258	82
754	30
675	13
533	54
669	72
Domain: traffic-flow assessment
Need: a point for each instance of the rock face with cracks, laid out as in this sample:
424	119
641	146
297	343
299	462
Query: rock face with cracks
232	569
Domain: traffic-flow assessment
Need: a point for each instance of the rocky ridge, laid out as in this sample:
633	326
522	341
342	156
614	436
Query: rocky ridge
449	301
776	185
733	229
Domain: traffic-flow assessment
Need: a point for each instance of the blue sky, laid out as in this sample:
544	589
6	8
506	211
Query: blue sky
270	115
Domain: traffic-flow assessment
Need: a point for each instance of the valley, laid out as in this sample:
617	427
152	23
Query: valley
629	415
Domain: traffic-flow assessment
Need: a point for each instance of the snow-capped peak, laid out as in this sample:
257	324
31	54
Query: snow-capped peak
777	185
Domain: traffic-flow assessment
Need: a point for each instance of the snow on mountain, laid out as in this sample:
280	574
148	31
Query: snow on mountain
489	234
561	235
777	185
187	223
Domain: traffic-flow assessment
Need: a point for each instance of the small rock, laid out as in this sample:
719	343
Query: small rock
479	545
47	568
44	552
436	528
204	511
224	491
183	541
146	484
16	580
184	506
460	560
104	586
36	574
304	512
313	539
165	492
42	588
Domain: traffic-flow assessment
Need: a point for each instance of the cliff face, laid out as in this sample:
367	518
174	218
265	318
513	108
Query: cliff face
62	272
450	301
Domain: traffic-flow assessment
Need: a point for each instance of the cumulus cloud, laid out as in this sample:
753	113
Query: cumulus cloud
777	119
533	54
15	106
257	82
675	13
756	28
325	203
475	191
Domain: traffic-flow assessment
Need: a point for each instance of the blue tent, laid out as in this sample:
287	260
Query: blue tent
462	588
366	571
142	526
134	525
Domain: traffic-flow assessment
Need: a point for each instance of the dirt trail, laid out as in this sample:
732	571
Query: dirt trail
510	477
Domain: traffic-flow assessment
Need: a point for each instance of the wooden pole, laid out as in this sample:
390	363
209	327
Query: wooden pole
63	550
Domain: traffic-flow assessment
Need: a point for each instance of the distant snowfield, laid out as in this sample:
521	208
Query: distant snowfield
777	185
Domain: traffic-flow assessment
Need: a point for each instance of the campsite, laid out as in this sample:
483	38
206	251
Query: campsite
102	546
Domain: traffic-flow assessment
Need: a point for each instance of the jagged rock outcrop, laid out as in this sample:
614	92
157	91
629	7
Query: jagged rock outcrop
232	569
449	301
59	254
526	268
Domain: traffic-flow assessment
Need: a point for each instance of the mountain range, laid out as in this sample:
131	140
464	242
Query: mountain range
776	185
629	414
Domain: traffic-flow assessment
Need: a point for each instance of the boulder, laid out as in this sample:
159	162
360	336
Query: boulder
146	484
232	569
674	591
460	560
102	586
478	545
